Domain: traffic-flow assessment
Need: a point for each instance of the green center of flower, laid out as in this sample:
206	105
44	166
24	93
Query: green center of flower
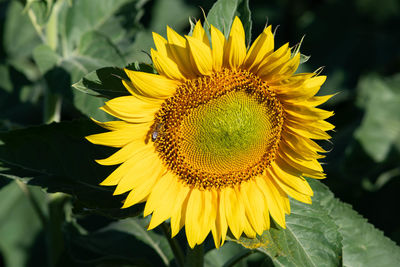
218	130
226	133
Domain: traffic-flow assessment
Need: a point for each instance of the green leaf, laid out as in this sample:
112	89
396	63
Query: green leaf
363	244
223	12
20	37
125	241
311	237
224	255
58	157
104	82
20	227
380	127
45	58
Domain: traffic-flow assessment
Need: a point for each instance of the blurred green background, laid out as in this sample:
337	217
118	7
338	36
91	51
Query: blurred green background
357	42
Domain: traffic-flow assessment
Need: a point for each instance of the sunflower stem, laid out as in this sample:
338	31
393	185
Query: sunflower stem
176	248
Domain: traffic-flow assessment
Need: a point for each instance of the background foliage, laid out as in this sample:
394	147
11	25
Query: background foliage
48	45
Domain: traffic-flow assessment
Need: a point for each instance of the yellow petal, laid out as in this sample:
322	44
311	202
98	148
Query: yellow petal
179	52
218	47
289	190
200	34
124	154
254	205
152	85
234	211
296	141
262	47
161	200
179	210
306	130
269	65
146	170
306	168
166	66
285	174
120	138
193	215
221	226
275	204
131	109
284	71
317	100
235	51
302	92
112	125
200	56
207	216
160	44
307	113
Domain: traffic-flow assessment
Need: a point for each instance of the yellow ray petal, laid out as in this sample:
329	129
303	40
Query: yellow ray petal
285	174
179	52
300	141
200	34
218	47
234	211
141	192
200	56
160	43
161	201
307	113
262	47
275	204
221	226
248	229
179	210
193	215
207	216
303	91
284	71
161	190
112	125
254	205
125	153
148	167
317	100
120	138
235	51
166	66
307	131
289	190
307	168
273	61
152	85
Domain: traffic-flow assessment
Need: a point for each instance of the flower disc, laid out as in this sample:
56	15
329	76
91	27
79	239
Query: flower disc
219	130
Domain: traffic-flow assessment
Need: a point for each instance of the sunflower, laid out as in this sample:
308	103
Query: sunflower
220	137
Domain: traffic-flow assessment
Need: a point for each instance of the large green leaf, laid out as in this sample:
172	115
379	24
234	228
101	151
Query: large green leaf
125	242
20	37
223	12
20	227
363	244
380	128
58	157
311	237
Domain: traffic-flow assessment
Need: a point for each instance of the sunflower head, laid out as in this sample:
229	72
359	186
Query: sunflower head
220	137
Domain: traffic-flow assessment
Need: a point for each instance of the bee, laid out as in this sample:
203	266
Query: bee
158	129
